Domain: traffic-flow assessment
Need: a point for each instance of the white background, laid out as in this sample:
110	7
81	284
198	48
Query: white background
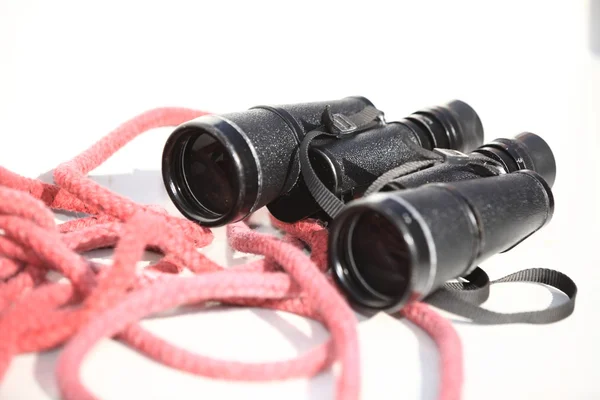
71	71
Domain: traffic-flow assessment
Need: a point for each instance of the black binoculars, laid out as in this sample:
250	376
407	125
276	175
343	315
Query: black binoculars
218	169
437	224
426	200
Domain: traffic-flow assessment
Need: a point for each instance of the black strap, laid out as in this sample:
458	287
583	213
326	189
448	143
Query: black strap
339	126
398	172
431	158
455	298
475	290
323	196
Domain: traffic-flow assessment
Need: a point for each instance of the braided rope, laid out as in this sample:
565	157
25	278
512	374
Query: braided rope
95	303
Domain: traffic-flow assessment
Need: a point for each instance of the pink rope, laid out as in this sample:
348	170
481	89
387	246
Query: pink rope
95	303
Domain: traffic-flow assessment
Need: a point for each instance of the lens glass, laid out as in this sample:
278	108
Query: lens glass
380	254
209	173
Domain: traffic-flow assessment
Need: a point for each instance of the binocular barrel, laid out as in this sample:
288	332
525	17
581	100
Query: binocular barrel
219	169
393	247
525	151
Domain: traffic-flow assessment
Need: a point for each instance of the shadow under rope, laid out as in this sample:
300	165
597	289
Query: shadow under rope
429	363
44	372
321	385
594	27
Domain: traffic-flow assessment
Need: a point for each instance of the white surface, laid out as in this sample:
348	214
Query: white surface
71	71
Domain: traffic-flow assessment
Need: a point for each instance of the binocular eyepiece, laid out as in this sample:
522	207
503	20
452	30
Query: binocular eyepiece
218	169
525	151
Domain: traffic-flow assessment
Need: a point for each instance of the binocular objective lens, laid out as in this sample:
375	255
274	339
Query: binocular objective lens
379	255
209	171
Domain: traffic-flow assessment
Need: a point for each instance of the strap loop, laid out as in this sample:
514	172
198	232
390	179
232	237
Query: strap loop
475	290
340	125
452	298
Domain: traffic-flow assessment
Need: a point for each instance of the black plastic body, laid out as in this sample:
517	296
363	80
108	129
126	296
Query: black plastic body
262	145
524	151
347	167
448	228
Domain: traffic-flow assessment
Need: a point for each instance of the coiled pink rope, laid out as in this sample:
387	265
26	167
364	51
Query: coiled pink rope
94	303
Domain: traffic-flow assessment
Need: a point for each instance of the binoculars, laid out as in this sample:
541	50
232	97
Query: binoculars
425	199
